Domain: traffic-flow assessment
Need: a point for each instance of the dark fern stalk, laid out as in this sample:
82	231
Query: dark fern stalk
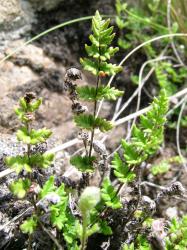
94	113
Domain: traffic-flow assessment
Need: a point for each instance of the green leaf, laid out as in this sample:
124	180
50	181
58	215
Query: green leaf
89	65
107	53
124	44
92	51
104	228
109	195
41	160
25	108
160	168
21	114
94	40
110	69
29	225
18	163
58	214
88	93
33	106
20	187
83	163
146	138
131	155
120	23
23	104
121	170
71	231
128	247
92	230
89	122
48	187
106	40
34	136
100	49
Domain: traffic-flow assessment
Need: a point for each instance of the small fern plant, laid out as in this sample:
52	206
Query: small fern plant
99	53
145	141
33	158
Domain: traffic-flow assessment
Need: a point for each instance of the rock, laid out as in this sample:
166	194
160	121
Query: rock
45	4
9	13
172	212
16	18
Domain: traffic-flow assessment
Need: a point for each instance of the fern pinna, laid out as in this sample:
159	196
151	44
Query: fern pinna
99	53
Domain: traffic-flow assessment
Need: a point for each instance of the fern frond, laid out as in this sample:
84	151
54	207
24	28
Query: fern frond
100	49
34	136
83	163
89	65
109	195
90	122
122	170
88	93
146	139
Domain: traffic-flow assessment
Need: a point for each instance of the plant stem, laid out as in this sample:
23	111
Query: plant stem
95	104
30	177
30	242
138	198
94	114
84	237
28	145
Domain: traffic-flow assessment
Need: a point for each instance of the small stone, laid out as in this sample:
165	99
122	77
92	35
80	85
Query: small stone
148	204
53	198
99	148
172	212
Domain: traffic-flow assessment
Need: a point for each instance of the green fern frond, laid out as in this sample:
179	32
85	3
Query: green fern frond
83	163
88	93
122	170
34	136
100	50
90	122
109	195
89	65
145	141
20	187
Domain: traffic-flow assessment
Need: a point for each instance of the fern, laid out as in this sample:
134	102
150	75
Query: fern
29	160
88	93
99	53
177	234
100	49
33	136
109	195
122	170
89	122
169	78
84	164
145	141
